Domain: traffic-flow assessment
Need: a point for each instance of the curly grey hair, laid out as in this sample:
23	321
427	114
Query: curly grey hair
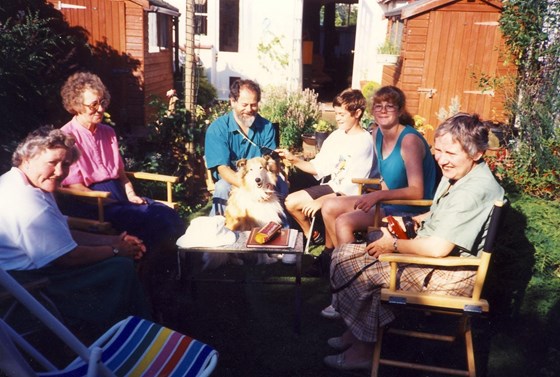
42	139
76	85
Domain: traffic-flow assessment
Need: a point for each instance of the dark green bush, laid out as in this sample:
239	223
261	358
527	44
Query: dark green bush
534	164
174	145
38	50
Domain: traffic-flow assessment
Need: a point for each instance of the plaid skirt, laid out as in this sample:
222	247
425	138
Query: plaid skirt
359	302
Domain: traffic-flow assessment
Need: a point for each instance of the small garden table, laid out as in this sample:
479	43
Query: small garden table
240	247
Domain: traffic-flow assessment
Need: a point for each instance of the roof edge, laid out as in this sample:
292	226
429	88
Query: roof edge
423	6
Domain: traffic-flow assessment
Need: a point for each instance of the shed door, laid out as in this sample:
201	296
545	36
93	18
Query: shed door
460	46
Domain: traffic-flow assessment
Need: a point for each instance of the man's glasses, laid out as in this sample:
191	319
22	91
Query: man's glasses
388	108
94	106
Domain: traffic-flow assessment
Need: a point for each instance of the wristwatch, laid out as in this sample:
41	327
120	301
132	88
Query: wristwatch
115	251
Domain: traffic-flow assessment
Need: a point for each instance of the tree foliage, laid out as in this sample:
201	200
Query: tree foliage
531	31
37	52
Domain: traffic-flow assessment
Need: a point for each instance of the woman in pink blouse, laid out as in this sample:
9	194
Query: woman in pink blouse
101	167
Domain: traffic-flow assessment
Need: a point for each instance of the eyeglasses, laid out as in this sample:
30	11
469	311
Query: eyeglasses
388	108
94	106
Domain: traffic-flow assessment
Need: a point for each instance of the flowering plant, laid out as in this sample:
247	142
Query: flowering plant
294	111
421	125
323	126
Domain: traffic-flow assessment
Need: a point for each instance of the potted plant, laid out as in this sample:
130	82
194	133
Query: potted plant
388	53
294	111
322	129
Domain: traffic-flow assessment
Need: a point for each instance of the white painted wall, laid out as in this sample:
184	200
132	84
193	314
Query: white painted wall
262	20
371	28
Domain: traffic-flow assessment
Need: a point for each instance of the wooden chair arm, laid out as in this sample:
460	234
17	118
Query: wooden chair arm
84	194
153	177
366	181
90	226
409	202
428	299
395	259
169	181
94	197
430	261
367	184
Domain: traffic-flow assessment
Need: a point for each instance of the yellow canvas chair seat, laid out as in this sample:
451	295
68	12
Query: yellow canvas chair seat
462	306
99	198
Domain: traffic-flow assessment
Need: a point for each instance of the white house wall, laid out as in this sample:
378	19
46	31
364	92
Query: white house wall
260	21
371	29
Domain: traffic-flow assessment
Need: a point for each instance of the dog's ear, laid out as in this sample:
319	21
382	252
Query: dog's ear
272	166
241	163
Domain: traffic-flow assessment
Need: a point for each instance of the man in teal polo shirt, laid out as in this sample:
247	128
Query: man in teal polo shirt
241	133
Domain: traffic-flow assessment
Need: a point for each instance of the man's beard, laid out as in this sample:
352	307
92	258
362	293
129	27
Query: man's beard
247	120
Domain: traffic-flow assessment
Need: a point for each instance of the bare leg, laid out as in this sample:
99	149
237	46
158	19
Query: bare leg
348	223
331	210
359	350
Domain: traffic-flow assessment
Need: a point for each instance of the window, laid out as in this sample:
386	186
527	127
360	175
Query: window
158	32
201	17
396	28
229	25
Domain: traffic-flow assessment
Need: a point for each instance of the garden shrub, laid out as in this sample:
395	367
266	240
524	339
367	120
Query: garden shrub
174	145
38	50
526	259
534	164
295	112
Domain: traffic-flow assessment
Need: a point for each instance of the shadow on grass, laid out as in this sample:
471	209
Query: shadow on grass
251	325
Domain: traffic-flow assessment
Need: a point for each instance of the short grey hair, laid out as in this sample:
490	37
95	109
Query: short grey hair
44	138
468	130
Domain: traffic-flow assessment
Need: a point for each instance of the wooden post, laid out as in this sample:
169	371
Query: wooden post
190	61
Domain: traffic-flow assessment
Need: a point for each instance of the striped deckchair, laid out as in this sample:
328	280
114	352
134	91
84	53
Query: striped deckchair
132	347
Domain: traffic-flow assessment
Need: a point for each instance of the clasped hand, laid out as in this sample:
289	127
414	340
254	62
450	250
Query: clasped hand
131	246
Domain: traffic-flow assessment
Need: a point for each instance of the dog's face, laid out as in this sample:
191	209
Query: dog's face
257	173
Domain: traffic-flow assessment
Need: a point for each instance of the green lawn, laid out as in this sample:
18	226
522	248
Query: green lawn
251	325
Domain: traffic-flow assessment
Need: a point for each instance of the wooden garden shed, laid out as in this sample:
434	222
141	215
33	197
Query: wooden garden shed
451	51
134	42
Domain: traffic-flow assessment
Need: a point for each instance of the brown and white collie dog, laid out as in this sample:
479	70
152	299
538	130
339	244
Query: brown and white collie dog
253	204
